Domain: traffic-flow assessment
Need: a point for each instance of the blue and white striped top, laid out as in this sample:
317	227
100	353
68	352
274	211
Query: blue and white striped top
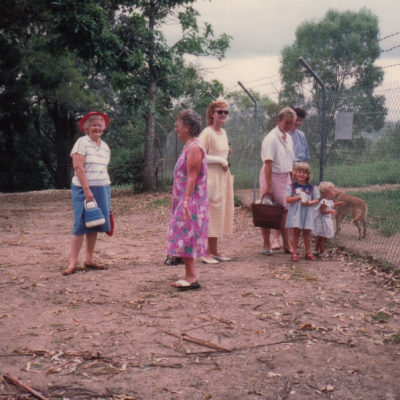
97	159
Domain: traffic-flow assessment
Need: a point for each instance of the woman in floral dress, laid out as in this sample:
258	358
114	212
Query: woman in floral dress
188	228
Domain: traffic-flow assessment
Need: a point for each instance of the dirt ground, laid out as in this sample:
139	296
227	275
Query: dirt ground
260	327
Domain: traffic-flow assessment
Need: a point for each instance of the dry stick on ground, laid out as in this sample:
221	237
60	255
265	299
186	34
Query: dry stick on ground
293	341
200	326
21	385
284	393
195	340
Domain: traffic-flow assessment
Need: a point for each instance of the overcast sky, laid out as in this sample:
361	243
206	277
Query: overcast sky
261	28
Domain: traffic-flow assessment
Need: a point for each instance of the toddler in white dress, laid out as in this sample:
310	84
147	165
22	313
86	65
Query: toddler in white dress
323	224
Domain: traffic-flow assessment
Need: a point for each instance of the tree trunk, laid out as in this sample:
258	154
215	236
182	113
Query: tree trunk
148	181
148	177
59	164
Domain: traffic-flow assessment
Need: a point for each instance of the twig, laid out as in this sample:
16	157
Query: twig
195	340
284	393
272	344
200	326
223	321
23	386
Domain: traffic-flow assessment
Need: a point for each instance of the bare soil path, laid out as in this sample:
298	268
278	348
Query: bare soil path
260	327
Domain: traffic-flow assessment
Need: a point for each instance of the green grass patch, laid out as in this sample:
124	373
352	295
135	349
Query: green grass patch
380	317
299	275
393	338
159	203
383	171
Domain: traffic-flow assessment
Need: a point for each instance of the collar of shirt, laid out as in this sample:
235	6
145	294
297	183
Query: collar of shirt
281	135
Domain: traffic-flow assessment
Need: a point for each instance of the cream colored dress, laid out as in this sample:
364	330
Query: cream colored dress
219	184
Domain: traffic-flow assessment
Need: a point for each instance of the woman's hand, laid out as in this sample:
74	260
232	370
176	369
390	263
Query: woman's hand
188	215
88	194
268	192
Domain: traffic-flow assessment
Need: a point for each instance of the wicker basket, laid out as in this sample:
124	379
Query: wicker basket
265	216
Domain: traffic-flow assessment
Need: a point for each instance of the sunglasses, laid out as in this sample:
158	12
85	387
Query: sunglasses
220	112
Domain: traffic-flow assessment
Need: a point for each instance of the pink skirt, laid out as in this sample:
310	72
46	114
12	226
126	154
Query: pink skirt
279	183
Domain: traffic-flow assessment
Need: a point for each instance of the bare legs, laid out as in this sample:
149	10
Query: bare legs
320	244
266	234
285	234
191	275
90	244
275	243
212	248
306	239
76	245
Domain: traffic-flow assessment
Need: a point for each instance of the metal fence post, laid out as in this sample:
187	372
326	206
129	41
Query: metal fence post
323	118
255	172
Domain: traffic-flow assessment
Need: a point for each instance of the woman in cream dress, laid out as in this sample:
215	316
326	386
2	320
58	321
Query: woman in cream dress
220	180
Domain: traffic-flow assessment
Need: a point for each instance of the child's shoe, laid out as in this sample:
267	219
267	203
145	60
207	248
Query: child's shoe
316	253
310	257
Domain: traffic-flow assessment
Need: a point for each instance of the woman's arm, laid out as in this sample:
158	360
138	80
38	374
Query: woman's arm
78	161
218	160
268	176
193	165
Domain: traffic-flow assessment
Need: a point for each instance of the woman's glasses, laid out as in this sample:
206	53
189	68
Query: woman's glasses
220	112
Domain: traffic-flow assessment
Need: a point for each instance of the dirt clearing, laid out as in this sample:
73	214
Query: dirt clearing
260	327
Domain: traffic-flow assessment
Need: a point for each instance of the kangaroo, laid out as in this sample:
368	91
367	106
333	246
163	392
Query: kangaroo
354	205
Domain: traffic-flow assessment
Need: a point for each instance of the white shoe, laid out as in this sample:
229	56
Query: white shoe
207	261
219	258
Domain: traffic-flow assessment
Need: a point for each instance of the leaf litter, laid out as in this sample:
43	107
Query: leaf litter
124	332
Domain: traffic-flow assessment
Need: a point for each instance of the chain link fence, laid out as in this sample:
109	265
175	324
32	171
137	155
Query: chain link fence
365	165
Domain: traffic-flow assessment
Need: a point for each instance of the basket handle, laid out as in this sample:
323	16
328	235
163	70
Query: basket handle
271	197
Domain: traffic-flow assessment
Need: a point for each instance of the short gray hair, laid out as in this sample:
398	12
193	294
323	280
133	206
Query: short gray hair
90	119
192	120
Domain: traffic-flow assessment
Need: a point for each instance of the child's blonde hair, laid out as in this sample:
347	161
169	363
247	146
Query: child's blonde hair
302	166
324	187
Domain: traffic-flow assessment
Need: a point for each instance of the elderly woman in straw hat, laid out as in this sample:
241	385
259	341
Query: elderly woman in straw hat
91	181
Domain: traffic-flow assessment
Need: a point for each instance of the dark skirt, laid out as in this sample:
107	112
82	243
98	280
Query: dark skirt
102	195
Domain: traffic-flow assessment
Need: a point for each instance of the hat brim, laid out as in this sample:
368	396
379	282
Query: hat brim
91	114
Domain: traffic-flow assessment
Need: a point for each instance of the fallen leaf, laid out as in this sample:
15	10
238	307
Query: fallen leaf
273	374
309	327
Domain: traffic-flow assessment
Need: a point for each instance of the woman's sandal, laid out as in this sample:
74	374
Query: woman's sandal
295	257
310	256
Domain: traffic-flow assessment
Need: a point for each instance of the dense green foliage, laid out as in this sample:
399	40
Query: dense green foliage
61	59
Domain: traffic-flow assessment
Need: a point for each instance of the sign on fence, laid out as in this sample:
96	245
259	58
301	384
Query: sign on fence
344	125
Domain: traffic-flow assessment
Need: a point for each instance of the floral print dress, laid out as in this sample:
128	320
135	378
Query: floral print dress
188	237
323	224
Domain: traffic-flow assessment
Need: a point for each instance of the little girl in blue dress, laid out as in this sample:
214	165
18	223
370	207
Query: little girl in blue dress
323	224
301	196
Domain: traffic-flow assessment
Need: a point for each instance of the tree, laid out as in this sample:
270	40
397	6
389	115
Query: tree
43	85
152	69
341	48
61	58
